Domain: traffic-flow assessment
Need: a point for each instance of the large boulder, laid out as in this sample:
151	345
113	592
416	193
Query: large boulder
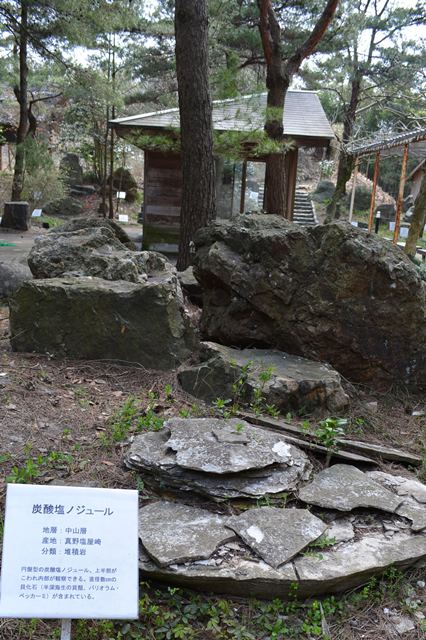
86	252
331	293
94	318
67	206
122	180
71	169
12	275
92	222
290	383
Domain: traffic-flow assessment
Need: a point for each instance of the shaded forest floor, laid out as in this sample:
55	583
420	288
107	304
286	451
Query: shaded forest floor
69	422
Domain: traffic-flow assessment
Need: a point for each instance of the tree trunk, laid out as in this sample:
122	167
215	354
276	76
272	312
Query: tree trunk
278	77
418	220
21	93
346	161
195	108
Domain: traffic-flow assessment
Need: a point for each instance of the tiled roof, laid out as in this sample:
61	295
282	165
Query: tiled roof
303	116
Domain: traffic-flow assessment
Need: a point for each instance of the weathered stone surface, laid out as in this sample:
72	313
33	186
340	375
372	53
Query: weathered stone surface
198	446
341	530
93	252
95	222
190	285
71	169
12	275
412	494
401	485
122	180
344	487
344	567
294	383
329	292
95	318
175	533
355	562
67	206
16	215
151	456
277	535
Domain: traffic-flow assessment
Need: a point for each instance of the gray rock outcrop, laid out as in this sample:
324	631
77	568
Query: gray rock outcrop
290	383
331	293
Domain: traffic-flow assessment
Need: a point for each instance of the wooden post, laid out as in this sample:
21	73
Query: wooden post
65	629
243	186
351	206
373	192
400	195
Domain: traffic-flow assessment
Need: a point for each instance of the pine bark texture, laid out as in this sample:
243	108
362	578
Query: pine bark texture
418	220
279	73
195	107
21	93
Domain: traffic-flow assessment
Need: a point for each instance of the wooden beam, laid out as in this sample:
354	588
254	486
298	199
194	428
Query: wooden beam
400	194
351	206
373	192
291	181
243	186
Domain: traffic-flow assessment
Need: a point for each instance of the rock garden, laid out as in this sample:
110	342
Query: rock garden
275	432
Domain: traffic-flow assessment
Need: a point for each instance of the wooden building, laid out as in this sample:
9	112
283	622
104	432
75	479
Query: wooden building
239	183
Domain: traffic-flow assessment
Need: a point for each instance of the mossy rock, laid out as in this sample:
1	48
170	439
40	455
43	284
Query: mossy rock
123	180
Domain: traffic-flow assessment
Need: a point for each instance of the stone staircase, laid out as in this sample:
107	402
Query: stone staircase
304	212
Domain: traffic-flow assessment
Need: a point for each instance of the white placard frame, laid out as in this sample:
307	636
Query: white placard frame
94	533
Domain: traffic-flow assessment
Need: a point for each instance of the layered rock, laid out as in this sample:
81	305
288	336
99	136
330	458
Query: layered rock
218	459
331	293
290	383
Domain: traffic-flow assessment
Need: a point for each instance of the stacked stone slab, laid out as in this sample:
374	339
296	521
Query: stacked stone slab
362	522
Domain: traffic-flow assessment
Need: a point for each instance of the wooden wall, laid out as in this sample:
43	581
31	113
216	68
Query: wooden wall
162	199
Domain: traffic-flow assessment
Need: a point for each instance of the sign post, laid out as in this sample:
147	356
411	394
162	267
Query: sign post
70	553
66	629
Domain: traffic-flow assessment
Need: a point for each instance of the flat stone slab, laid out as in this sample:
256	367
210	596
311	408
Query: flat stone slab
277	535
331	571
151	456
292	382
220	447
175	533
412	493
344	487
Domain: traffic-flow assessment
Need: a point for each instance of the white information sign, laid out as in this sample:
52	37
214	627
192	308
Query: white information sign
403	232
121	195
70	552
123	217
36	213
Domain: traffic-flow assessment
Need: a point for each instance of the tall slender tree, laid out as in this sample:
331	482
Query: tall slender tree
195	108
280	71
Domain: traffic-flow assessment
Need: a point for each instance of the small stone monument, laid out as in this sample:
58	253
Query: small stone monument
16	216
